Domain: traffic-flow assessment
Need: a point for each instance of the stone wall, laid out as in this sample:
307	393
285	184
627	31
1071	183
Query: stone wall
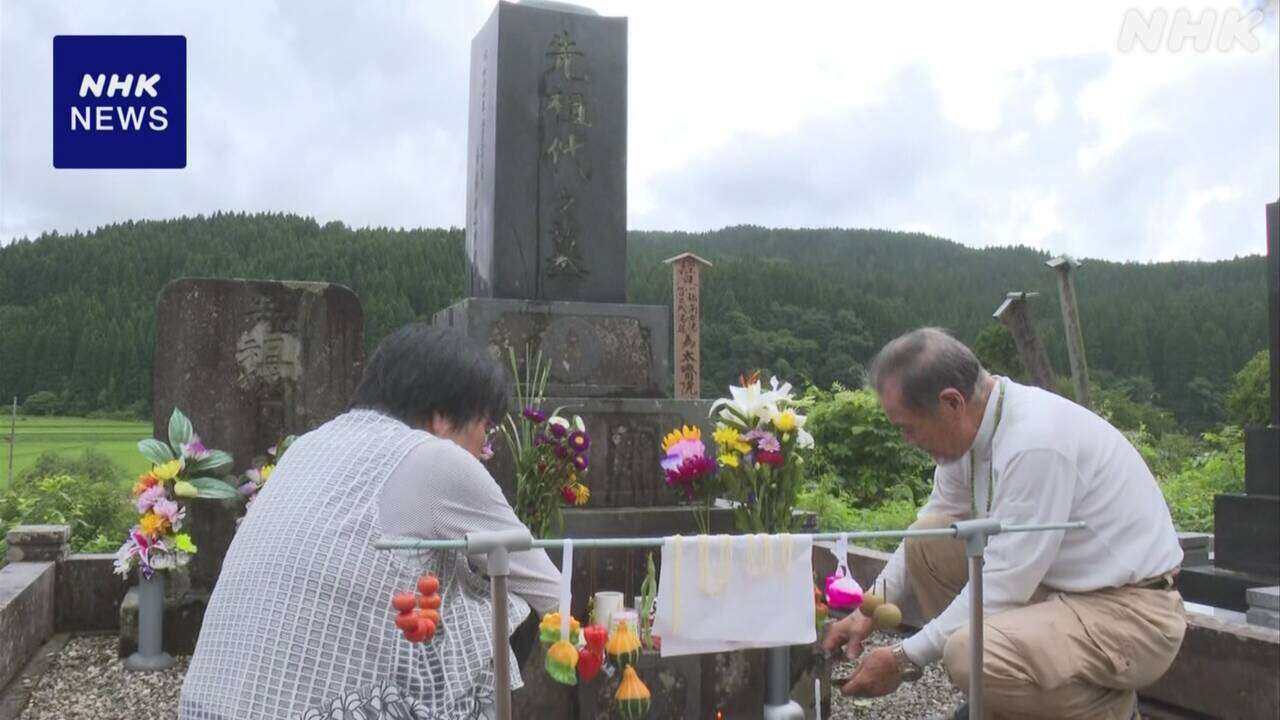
89	594
26	613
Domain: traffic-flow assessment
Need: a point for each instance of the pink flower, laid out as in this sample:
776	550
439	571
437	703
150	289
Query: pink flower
170	511
150	497
681	451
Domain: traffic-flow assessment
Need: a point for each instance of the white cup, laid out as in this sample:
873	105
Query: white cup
607	601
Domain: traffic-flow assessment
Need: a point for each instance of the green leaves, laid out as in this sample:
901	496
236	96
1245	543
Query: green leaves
180	431
155	451
214	489
215	459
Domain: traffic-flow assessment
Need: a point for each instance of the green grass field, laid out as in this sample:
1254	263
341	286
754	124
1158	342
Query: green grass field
69	436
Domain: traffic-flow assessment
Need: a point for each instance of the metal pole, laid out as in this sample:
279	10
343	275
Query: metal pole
975	637
499	567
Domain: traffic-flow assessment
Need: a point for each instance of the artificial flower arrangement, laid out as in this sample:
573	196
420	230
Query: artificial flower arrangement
761	447
551	453
180	470
257	476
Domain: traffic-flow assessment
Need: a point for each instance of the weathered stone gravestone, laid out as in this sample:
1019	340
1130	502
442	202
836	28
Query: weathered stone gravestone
249	362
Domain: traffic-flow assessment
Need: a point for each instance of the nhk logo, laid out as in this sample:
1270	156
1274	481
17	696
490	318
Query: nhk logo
119	101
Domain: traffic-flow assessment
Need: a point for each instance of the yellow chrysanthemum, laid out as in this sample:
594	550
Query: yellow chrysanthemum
688	432
729	460
265	472
167	471
785	422
730	440
581	494
152	525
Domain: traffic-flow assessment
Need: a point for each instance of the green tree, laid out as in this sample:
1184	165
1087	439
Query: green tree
1250	395
41	403
997	351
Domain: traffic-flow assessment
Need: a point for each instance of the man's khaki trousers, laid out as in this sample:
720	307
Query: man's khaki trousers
1063	655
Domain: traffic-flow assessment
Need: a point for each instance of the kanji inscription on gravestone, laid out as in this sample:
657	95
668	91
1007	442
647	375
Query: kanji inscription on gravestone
546	176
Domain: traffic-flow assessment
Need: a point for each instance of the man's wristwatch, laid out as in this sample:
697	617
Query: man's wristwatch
907	670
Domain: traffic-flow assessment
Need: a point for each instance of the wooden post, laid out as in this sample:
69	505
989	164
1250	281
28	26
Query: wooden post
1014	314
686	287
13	437
1064	264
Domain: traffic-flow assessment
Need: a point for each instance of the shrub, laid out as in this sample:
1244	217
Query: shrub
1219	469
41	403
836	513
856	443
83	492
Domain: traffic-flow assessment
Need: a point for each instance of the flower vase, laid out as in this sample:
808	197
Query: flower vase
150	655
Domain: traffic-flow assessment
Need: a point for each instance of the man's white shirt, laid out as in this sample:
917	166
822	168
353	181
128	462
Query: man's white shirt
1054	462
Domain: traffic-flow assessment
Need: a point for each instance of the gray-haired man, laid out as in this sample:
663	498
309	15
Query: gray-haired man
1075	621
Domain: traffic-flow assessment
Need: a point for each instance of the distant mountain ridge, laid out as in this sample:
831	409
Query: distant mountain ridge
77	311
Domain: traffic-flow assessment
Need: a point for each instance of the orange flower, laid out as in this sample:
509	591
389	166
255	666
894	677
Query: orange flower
145	481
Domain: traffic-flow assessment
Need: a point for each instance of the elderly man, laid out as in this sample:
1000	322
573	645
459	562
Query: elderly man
1075	620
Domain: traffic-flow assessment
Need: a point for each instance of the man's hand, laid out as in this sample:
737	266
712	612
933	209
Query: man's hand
849	634
877	675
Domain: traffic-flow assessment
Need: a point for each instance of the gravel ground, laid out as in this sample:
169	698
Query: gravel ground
929	696
88	682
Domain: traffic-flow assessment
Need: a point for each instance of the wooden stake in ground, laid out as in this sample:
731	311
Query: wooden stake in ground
1064	265
13	430
686	286
1014	314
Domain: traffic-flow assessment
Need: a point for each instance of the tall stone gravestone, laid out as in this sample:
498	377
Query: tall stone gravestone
1246	525
249	362
546	204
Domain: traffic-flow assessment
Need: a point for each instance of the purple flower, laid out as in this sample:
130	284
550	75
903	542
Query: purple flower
580	462
579	442
486	451
195	449
170	511
764	440
561	452
539	440
560	428
534	415
249	489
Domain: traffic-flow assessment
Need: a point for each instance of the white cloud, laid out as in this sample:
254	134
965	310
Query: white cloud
991	123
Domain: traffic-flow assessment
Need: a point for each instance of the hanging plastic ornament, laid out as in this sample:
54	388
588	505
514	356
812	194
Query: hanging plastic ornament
562	662
843	592
632	696
623	646
549	629
590	661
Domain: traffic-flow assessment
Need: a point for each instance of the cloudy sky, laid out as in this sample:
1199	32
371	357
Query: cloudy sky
992	123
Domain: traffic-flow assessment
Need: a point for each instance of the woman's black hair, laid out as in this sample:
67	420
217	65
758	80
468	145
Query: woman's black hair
420	371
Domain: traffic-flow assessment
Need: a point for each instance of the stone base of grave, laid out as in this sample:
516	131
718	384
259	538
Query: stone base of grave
595	349
690	687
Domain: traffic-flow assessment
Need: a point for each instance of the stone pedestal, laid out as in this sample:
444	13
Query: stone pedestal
38	543
595	349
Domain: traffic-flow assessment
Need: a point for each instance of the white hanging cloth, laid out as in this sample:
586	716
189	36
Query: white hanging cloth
722	592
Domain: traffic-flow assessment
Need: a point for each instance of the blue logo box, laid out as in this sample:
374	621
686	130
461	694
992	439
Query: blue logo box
119	101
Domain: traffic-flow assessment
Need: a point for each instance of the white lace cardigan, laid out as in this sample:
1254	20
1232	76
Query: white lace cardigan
300	624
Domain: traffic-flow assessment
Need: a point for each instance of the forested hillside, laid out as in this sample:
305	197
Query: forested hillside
77	315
